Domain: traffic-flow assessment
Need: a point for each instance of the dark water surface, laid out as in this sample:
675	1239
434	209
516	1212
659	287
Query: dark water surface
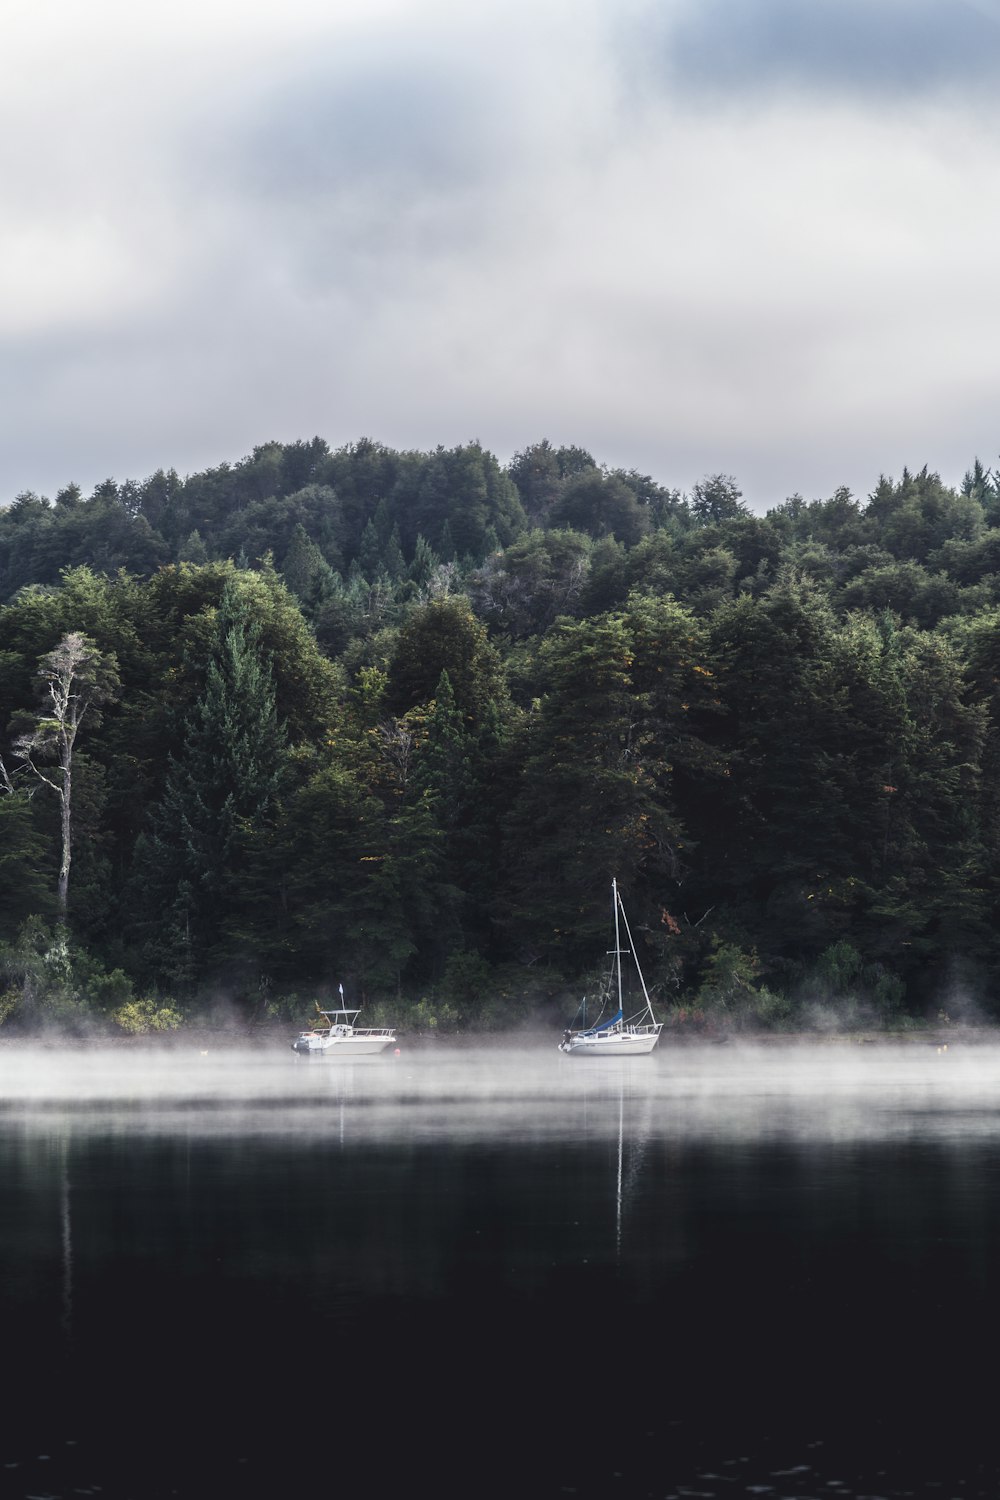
470	1272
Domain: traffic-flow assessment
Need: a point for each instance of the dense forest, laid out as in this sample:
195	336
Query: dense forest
394	719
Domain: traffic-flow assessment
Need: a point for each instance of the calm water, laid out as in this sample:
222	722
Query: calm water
713	1272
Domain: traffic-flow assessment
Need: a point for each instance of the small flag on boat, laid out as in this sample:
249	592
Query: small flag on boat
341	989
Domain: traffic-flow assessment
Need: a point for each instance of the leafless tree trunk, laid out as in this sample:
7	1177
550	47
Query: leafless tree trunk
73	679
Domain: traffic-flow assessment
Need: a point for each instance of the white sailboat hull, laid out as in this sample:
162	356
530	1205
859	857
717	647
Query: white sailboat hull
621	1035
631	1042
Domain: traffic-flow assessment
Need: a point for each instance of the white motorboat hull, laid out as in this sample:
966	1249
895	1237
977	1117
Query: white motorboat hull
359	1045
629	1043
337	1033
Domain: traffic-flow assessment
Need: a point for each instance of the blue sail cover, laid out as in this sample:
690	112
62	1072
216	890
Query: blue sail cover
596	1030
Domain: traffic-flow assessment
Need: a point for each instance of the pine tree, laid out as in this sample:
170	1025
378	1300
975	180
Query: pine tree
301	564
445	545
26	865
219	788
586	807
425	560
193	551
369	552
444	776
392	557
445	636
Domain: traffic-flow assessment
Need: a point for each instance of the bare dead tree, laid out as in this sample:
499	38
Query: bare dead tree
73	680
396	743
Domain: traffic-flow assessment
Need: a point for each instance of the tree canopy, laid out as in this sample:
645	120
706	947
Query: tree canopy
395	719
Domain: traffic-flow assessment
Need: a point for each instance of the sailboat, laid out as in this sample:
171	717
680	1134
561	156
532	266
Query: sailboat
619	1036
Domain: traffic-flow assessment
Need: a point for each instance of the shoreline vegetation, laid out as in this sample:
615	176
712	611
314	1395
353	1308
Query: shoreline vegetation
395	720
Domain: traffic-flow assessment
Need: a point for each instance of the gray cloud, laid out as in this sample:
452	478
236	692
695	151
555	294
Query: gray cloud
874	49
396	124
370	167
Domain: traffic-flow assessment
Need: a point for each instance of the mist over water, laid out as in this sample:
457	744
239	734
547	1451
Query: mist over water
518	1091
475	1269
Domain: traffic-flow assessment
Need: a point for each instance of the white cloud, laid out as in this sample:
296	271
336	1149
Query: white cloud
425	222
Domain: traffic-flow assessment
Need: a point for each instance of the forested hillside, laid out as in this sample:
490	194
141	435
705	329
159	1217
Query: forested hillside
395	719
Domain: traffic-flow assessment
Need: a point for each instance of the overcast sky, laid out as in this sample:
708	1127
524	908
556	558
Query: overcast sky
759	237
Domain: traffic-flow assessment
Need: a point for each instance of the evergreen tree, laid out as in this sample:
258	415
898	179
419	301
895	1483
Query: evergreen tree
425	560
444	774
369	556
392	557
445	636
193	550
717	498
220	786
445	545
600	505
772	836
26	867
301	564
585	808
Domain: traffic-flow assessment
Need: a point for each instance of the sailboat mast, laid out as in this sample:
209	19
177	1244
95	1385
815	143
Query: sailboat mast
618	946
638	969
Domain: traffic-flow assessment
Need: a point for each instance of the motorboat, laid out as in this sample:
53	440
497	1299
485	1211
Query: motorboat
338	1033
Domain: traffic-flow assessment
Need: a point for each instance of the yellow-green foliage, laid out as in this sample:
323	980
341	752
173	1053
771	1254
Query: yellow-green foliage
731	995
432	1015
139	1017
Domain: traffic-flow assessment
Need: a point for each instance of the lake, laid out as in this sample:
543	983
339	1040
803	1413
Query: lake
491	1269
